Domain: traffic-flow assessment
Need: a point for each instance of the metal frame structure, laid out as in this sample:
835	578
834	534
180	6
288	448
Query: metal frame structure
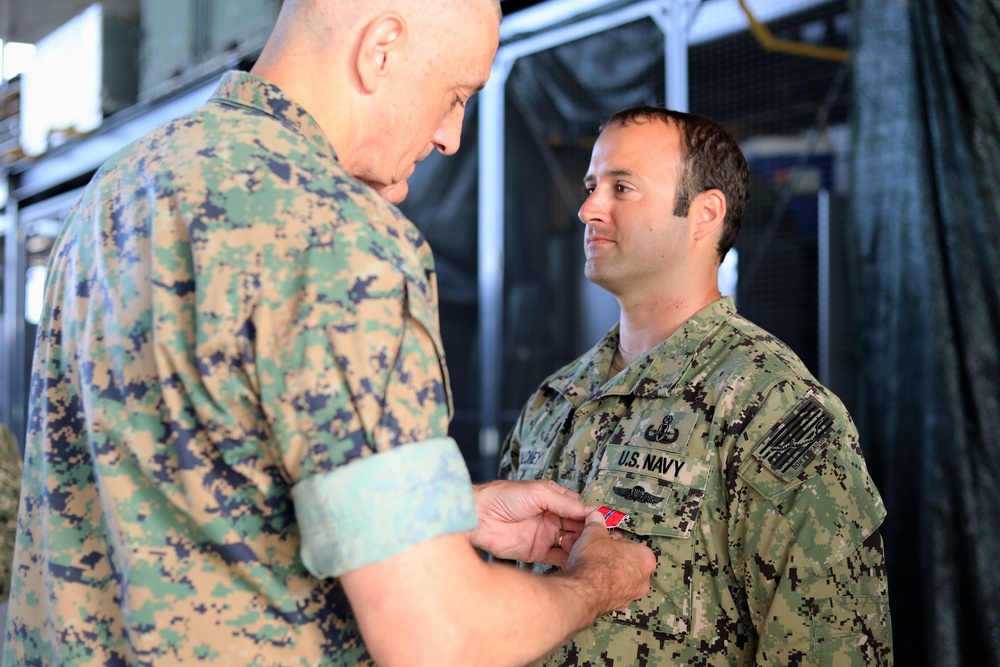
12	402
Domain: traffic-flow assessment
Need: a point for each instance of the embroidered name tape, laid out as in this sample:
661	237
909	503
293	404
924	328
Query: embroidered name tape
612	517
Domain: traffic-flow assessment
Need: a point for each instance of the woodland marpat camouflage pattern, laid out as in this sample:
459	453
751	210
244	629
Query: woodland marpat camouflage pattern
744	476
230	320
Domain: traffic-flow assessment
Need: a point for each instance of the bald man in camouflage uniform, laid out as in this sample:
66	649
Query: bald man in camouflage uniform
738	469
237	450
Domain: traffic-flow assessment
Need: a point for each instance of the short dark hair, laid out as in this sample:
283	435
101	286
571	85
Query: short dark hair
711	159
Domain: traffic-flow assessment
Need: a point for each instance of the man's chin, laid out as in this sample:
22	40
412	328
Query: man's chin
394	193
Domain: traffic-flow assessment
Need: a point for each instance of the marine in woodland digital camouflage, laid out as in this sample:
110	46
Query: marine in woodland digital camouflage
230	319
744	476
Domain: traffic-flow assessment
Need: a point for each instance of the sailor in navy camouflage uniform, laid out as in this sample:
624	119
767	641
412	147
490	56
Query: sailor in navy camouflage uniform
740	471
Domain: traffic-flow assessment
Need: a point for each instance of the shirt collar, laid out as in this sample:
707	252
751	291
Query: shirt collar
252	92
578	381
653	374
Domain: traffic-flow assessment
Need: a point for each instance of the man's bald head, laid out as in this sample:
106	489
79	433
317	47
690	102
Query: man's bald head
386	80
328	18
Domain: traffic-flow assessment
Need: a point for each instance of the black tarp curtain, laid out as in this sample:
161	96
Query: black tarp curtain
926	254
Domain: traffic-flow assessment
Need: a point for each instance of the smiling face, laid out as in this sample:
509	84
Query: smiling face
448	60
634	243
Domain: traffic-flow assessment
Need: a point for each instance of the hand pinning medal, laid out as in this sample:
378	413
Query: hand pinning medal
612	518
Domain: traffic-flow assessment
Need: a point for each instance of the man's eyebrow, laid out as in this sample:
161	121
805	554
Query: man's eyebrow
613	172
474	87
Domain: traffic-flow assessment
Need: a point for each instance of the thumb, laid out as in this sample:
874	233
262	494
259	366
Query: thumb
567	507
595	517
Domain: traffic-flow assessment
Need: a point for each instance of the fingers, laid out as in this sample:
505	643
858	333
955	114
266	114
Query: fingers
565	540
595	517
619	566
557	557
561	490
560	501
630	580
593	528
568	540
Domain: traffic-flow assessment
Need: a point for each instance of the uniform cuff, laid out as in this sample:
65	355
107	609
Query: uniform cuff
378	506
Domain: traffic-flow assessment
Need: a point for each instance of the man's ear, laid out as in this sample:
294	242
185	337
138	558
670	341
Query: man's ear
709	211
379	49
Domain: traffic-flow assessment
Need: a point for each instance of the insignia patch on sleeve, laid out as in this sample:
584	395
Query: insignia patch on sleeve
792	443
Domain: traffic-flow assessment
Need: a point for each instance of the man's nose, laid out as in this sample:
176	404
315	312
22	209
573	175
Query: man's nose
592	209
449	135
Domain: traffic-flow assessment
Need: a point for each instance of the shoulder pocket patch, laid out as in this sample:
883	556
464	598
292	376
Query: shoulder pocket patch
791	444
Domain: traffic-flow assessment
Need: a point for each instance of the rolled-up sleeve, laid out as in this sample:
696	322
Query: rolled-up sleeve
379	506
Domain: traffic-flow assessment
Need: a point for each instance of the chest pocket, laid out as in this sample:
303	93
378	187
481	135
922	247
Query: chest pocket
540	447
659	480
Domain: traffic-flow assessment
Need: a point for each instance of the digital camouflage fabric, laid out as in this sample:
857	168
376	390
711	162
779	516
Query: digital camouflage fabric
744	476
230	316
